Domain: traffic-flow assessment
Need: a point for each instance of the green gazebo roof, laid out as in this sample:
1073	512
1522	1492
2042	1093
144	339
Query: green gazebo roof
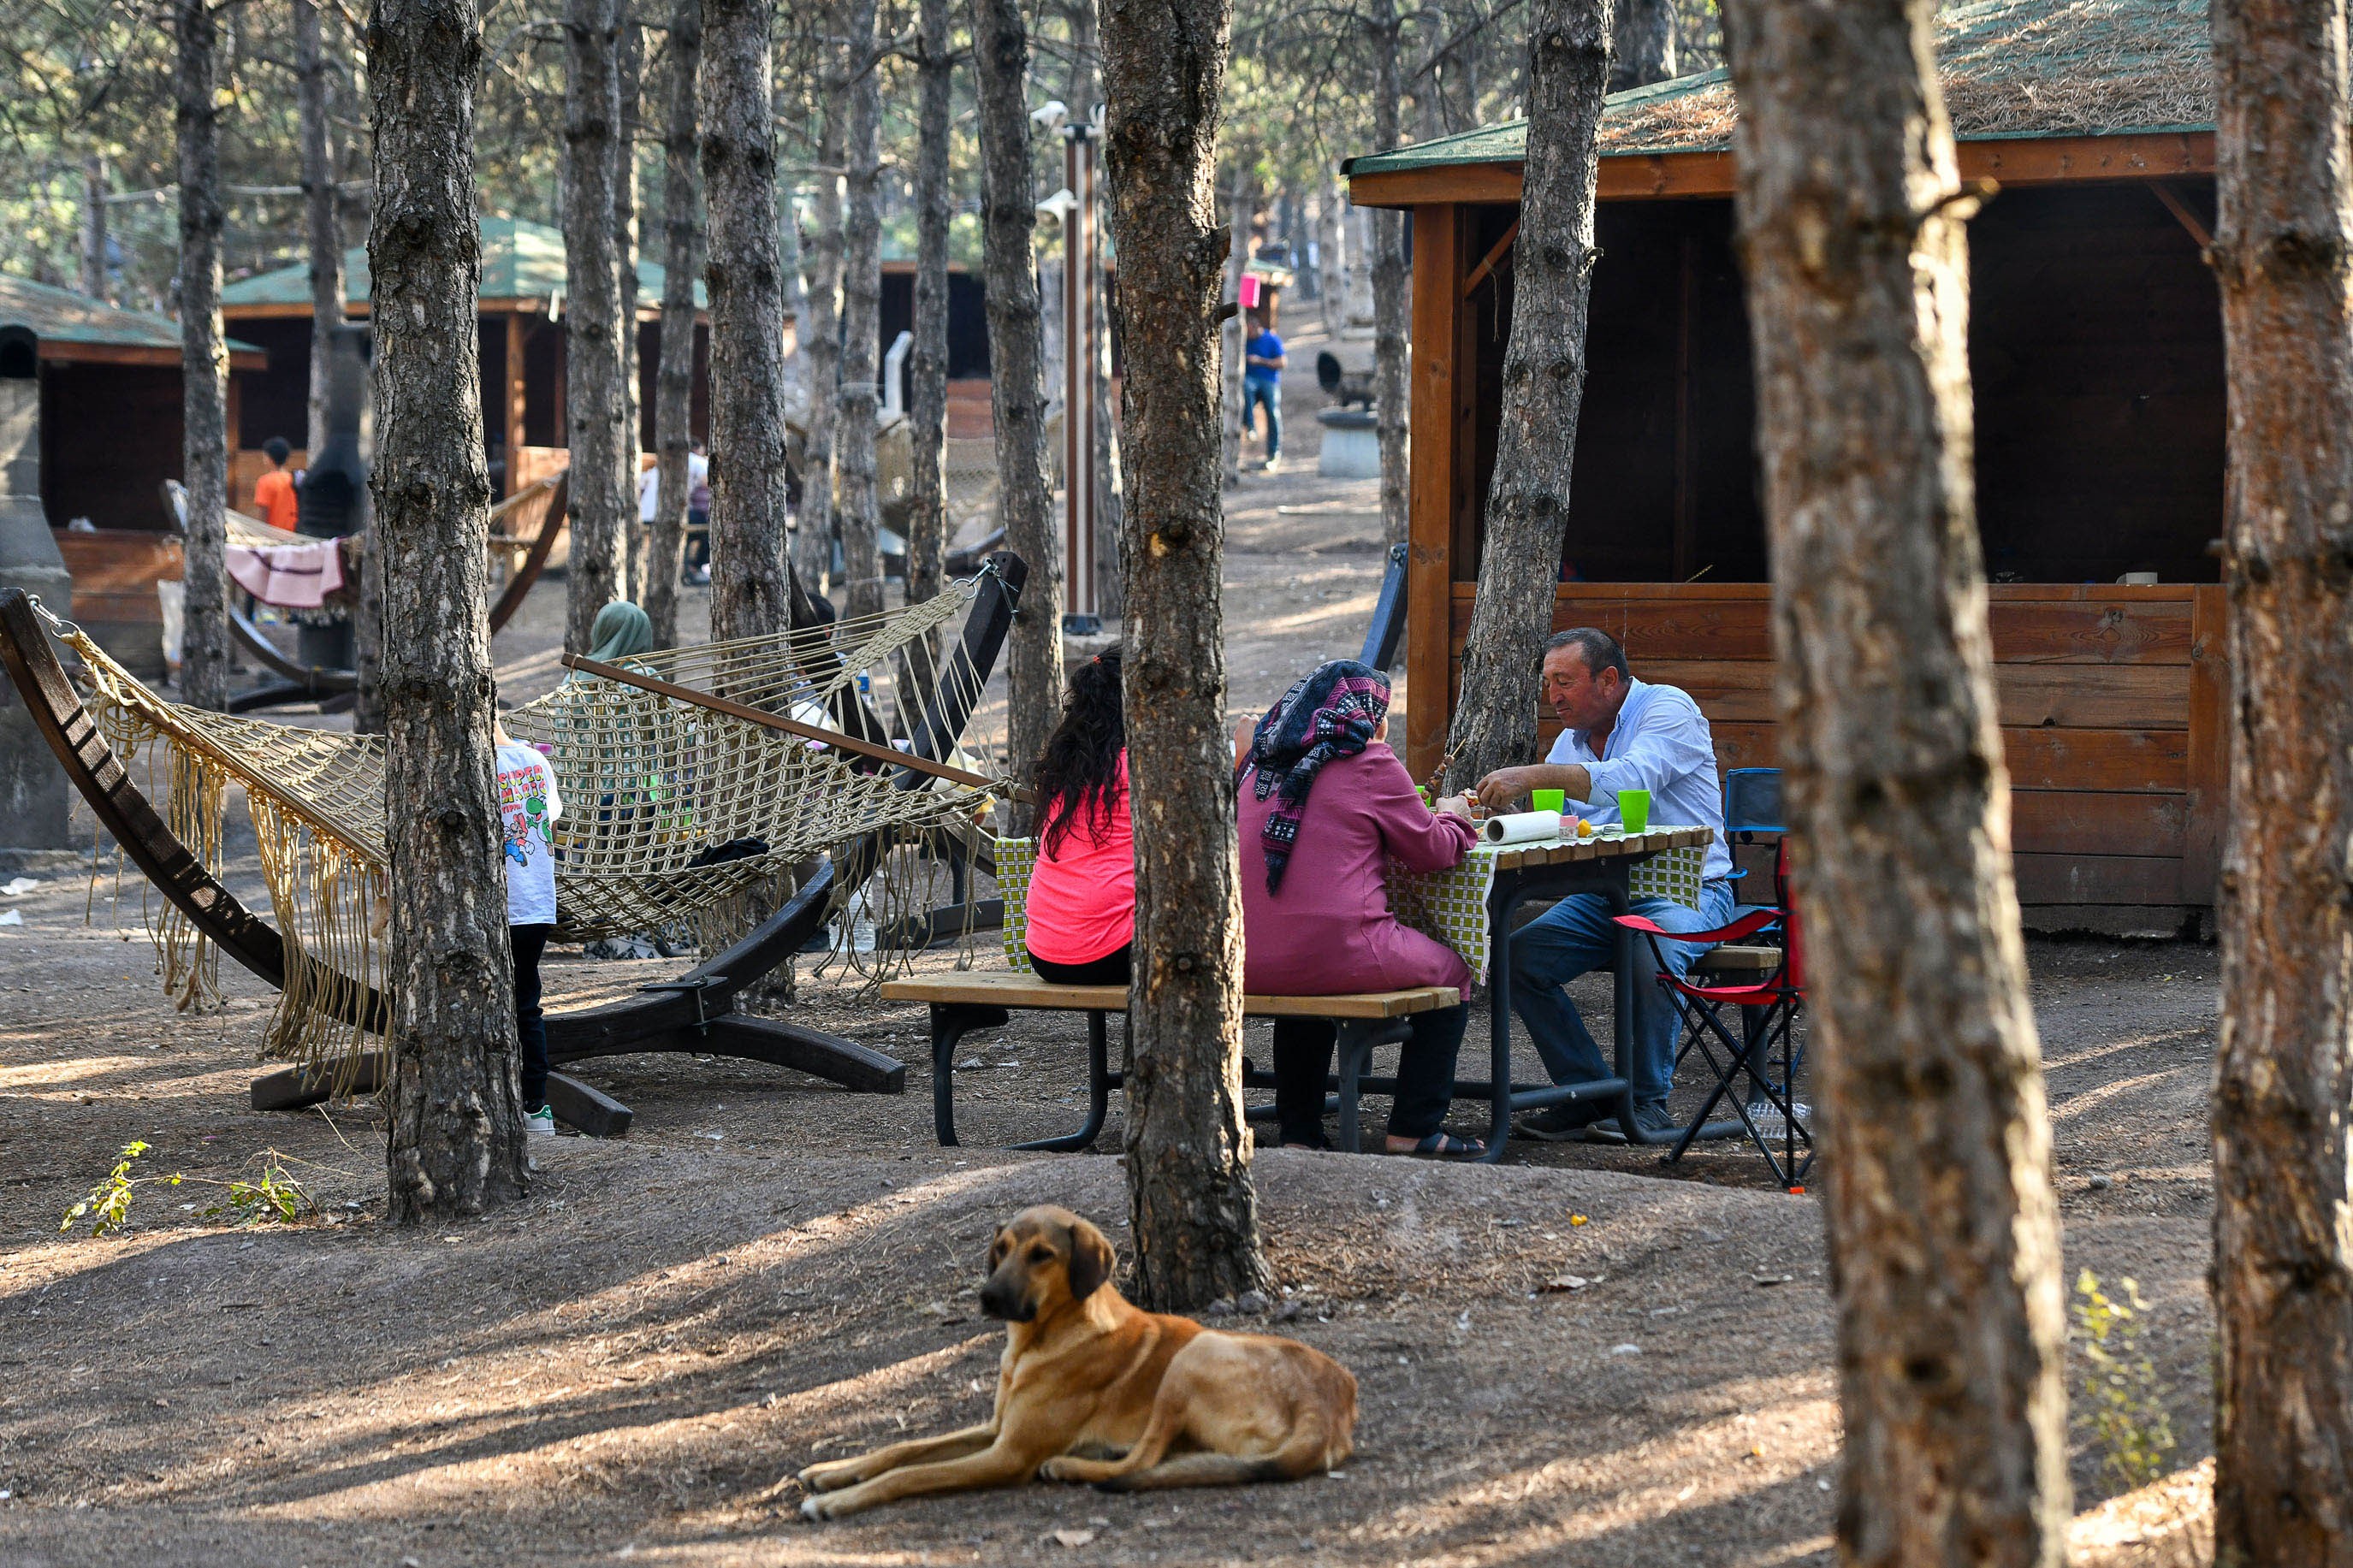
2009	68
62	316
520	260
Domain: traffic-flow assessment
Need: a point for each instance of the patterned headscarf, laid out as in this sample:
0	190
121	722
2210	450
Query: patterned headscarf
1332	713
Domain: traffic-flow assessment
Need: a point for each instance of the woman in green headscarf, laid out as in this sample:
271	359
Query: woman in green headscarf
619	630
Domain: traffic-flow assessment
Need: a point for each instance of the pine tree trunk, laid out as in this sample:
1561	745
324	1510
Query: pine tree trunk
682	264
1943	1228
861	303
821	352
751	580
1332	263
629	69
1084	93
1235	333
1644	43
455	1140
1000	50
93	226
204	658
927	365
592	395
2283	1252
1391	401
1543	386
323	226
1192	1209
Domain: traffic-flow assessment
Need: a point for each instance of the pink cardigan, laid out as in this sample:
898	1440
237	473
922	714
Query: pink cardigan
1329	929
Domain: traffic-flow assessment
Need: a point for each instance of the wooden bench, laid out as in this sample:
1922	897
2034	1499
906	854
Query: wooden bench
962	1003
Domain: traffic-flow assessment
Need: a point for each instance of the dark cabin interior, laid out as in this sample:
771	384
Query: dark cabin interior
115	481
2095	343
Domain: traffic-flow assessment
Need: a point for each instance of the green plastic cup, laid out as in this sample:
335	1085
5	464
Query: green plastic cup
1548	800
1634	810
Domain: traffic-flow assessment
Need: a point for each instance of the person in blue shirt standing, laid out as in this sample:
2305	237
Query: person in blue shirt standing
1618	733
1262	363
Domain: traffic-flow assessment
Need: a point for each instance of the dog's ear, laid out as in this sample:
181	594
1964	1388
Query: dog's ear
1091	1260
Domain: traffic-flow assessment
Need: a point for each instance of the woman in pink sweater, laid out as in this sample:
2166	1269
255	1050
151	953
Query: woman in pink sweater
1324	805
1081	906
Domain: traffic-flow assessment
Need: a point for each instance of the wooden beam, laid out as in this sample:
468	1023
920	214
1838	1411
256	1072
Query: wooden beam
1494	260
514	401
1654	176
2181	213
1431	435
761	716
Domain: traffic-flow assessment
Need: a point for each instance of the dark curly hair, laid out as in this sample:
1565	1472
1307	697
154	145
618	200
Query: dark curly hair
1077	777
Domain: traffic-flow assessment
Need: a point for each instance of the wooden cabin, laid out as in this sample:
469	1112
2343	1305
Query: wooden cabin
2096	352
111	436
520	314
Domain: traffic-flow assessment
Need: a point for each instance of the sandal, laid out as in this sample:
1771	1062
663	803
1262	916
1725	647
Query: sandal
1442	1146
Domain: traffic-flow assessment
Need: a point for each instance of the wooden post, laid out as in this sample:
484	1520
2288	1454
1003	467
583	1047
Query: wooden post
2210	745
514	395
1432	435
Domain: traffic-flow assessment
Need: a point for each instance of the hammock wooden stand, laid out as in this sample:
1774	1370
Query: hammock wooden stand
694	1014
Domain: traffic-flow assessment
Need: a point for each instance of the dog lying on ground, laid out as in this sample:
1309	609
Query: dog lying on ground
1093	1389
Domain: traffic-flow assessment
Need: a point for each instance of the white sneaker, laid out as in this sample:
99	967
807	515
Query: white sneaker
540	1124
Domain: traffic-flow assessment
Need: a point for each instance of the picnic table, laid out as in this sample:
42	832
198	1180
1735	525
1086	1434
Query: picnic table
1470	908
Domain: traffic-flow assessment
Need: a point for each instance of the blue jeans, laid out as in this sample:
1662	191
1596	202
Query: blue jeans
1576	937
1269	393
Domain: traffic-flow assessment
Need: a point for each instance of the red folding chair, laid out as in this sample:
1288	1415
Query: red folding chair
1768	1011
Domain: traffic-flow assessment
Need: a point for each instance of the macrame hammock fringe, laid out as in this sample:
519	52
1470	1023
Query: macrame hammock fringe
676	819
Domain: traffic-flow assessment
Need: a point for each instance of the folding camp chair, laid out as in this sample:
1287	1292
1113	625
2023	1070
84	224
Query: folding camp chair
1768	1012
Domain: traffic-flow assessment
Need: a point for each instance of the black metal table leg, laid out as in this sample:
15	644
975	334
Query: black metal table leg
1098	1095
950	1021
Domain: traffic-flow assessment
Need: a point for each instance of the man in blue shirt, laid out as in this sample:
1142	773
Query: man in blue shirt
1262	363
1618	733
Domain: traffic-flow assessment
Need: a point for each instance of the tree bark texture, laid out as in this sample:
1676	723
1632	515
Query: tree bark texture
1643	38
1084	93
2284	1077
455	1138
821	267
1943	1229
1544	386
205	658
628	71
1001	52
859	506
322	224
1391	401
93	226
927	363
600	493
1332	262
751	580
1233	336
1192	1209
682	264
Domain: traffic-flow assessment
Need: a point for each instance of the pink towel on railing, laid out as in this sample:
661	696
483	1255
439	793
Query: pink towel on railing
290	576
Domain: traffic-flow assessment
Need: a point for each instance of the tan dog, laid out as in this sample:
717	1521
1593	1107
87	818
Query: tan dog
1093	1389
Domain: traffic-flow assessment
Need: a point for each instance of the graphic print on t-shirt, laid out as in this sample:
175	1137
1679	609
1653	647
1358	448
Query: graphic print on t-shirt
528	808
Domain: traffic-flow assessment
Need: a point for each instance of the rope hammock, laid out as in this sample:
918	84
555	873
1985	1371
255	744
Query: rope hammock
673	811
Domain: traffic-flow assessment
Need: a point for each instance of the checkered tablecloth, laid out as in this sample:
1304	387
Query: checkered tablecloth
1449	905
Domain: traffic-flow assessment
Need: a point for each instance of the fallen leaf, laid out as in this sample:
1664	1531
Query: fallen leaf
1579	1219
1071	1537
1567	1282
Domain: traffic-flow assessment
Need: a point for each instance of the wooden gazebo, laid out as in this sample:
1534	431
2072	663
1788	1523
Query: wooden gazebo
2097	348
522	368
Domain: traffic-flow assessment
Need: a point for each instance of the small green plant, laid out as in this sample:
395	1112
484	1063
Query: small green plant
2124	1396
276	1198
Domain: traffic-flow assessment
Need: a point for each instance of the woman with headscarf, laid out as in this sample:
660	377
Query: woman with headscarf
1324	805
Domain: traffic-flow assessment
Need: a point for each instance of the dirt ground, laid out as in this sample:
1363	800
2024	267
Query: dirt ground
1579	1356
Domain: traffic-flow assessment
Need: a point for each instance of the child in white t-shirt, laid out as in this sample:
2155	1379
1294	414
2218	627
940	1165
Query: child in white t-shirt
528	807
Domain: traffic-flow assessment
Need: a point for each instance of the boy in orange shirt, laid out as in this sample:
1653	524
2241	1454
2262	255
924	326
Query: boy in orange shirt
273	493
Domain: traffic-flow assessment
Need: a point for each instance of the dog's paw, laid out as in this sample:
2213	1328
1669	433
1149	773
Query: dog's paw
1054	1470
814	1510
831	1476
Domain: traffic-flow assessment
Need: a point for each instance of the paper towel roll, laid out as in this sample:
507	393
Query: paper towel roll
1522	827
